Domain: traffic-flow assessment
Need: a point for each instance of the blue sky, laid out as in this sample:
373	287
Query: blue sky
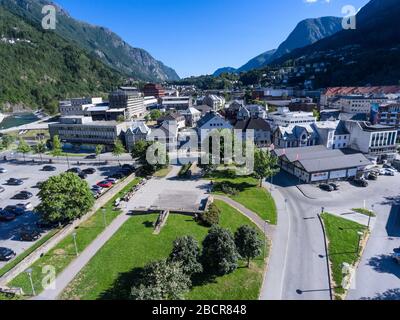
198	36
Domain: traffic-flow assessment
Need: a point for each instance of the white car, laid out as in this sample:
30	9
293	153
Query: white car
390	172
25	206
2	170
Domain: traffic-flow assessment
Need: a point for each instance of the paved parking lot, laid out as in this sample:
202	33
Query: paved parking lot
171	193
31	174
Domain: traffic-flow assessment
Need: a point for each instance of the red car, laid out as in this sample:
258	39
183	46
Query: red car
105	184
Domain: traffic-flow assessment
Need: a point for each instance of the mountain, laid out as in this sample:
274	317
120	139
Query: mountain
306	32
220	71
38	67
105	44
258	61
369	54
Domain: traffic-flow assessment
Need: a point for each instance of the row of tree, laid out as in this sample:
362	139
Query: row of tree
171	279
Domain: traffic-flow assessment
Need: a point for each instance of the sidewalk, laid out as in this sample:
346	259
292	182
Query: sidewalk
272	288
78	264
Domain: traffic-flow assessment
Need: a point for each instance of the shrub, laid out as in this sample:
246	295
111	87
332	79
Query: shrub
210	217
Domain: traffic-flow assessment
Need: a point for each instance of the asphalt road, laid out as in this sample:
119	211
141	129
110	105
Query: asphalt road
300	261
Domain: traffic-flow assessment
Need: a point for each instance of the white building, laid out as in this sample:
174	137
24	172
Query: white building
332	134
356	103
138	131
214	101
177	103
210	122
376	141
283	117
77	106
130	100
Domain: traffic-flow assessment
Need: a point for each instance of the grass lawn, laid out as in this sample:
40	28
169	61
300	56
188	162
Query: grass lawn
30	134
64	253
343	244
365	212
163	172
251	195
110	274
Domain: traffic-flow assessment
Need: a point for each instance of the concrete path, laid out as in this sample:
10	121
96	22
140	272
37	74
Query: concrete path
78	264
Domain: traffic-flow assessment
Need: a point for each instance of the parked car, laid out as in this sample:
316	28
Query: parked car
39	185
390	172
6	254
96	187
83	175
75	170
6	216
25	206
23	195
128	167
373	176
335	186
91	156
382	172
388	166
49	168
112	180
326	187
361	183
105	184
29	234
117	175
15	182
2	170
89	171
17	211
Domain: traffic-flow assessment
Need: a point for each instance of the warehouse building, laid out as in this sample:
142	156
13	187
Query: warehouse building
317	163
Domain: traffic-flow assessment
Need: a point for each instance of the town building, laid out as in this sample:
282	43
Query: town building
356	104
77	106
214	101
81	131
387	114
377	142
153	90
261	130
176	102
128	102
294	136
192	116
210	122
137	131
283	117
317	164
232	111
332	134
252	111
175	118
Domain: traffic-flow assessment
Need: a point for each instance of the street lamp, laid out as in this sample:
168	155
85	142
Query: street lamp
29	273
65	141
322	210
76	246
360	234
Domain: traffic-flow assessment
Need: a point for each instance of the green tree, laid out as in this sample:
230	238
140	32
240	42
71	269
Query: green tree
162	280
99	150
56	147
7	141
118	150
155	114
64	198
211	216
317	114
265	165
187	251
40	149
23	147
248	243
219	256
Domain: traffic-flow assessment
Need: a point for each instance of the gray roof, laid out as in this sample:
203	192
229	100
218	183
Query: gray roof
319	158
208	117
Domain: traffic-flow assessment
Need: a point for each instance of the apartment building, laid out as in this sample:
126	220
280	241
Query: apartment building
387	114
77	106
153	90
332	134
356	104
176	102
127	101
294	136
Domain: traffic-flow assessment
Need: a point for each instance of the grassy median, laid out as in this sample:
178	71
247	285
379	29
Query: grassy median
64	253
110	274
343	246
